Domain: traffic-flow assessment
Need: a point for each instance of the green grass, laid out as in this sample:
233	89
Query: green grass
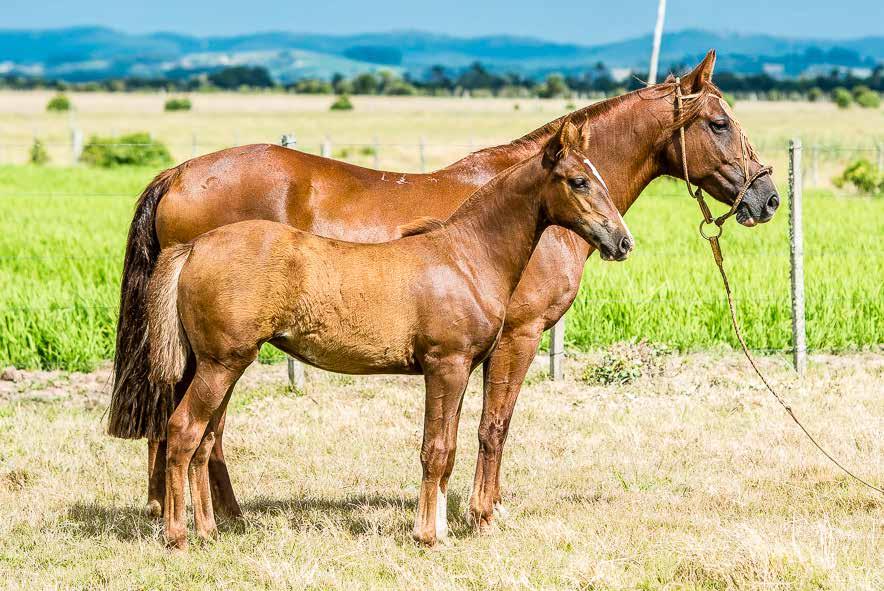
62	235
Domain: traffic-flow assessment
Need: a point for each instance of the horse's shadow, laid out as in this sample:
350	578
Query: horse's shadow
356	513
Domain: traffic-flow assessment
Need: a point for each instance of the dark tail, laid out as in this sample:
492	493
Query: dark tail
139	408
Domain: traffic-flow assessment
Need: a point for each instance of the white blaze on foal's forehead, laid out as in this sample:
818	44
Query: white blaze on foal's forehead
595	172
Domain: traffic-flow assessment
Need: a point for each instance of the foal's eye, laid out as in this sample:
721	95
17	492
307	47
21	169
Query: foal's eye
578	182
719	125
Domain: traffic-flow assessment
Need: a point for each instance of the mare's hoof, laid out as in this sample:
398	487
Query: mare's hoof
154	509
177	544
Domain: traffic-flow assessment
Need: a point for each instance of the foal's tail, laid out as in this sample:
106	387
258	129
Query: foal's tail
169	347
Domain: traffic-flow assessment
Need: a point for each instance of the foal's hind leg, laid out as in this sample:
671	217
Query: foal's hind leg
446	381
156	456
187	426
200	496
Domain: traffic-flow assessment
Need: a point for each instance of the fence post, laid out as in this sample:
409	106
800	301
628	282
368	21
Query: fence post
557	349
193	144
297	375
880	157
76	144
814	171
796	239
421	150
377	153
325	149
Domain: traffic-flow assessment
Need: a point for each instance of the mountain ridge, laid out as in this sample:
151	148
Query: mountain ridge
95	52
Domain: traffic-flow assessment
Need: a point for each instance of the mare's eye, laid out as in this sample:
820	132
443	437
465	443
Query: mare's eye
578	182
719	125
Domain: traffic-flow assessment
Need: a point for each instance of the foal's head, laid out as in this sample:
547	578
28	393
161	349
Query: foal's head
576	197
719	157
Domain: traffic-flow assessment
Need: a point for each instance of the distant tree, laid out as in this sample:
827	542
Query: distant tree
868	99
38	154
554	87
342	104
313	86
58	104
365	83
237	76
842	97
178	104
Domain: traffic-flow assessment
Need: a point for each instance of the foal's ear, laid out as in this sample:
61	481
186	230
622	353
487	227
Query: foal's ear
559	144
700	76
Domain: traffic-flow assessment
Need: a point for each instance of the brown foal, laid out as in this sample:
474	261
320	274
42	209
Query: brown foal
432	303
635	141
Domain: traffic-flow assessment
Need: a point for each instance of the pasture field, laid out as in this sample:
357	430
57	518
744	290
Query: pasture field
689	478
63	228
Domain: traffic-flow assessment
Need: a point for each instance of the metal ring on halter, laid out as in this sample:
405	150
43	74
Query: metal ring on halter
711	236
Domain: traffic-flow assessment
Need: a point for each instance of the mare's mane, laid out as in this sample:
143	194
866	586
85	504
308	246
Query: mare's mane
690	111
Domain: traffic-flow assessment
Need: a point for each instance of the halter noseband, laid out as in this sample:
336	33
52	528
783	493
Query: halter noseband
746	153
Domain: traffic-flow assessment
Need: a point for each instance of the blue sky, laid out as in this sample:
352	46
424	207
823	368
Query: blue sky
588	22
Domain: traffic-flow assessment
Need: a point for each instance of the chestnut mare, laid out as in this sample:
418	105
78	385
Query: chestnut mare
635	141
432	303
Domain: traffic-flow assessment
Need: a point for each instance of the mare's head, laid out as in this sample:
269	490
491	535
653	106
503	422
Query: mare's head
576	197
720	159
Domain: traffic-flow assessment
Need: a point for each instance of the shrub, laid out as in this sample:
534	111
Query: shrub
134	149
623	363
814	94
863	175
178	104
842	97
59	104
859	90
342	104
869	99
729	99
38	154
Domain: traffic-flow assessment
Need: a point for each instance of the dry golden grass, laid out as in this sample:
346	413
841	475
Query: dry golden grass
690	480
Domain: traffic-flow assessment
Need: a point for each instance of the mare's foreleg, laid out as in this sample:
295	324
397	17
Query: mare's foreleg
504	373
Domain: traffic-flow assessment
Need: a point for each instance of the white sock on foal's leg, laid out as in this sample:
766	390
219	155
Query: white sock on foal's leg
441	515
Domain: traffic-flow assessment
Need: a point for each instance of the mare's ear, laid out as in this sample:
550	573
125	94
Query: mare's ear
700	76
559	144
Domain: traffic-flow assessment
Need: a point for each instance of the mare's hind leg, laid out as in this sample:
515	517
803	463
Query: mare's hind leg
187	427
446	380
504	373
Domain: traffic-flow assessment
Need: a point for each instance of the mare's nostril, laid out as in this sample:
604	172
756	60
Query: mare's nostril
625	245
773	202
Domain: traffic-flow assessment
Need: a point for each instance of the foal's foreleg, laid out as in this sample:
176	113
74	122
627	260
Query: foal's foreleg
223	499
445	381
504	373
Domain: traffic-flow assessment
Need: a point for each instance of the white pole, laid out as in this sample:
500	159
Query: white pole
796	238
557	349
658	35
297	375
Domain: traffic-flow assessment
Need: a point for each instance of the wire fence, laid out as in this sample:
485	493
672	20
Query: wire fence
819	158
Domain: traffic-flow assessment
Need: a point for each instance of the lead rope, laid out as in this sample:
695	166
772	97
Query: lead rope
746	152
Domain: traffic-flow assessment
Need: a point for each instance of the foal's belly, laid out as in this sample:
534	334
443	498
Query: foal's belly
333	351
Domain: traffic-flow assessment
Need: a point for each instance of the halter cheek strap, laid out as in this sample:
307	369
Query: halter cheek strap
747	153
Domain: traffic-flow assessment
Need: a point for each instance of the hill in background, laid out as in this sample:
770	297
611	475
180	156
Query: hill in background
96	53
